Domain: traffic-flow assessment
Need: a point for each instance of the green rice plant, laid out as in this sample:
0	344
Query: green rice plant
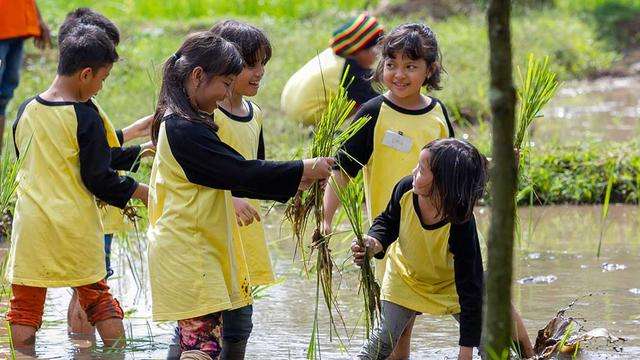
539	85
605	206
351	197
328	136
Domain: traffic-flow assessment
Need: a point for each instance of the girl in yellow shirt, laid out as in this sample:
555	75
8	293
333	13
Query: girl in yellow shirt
402	121
436	267
193	258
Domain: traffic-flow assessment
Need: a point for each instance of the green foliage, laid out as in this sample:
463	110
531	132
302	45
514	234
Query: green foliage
580	174
539	85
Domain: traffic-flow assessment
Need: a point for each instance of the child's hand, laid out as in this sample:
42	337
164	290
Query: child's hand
373	246
142	194
465	353
147	149
245	213
139	129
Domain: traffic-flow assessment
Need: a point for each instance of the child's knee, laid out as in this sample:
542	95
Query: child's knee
26	306
98	303
237	324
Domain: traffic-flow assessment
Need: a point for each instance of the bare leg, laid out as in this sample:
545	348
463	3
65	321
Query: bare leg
77	321
112	332
520	333
402	350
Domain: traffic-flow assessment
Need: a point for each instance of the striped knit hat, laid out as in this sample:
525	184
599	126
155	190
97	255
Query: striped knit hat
360	33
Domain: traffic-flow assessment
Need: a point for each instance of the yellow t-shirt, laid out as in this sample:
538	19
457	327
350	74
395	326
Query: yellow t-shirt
244	134
306	93
57	237
385	165
195	266
434	269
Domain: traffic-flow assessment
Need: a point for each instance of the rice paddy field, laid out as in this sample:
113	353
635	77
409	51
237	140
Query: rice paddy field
556	258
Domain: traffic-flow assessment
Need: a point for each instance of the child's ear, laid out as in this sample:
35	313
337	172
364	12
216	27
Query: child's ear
197	74
86	74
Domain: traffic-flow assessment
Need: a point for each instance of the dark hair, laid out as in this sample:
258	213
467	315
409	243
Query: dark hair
459	177
86	16
416	41
215	55
253	44
87	46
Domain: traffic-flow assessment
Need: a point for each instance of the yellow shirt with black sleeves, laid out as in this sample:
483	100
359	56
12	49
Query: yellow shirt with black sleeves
57	238
244	134
193	263
385	162
434	269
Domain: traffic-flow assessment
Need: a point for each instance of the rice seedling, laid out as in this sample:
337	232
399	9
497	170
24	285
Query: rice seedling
328	136
539	85
9	169
351	197
611	174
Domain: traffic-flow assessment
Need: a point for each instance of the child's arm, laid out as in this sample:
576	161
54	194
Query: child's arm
95	161
467	262
138	129
128	157
207	161
351	157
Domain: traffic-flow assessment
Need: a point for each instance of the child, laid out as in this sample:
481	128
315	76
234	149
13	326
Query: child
304	95
122	158
240	126
436	267
192	256
57	234
401	119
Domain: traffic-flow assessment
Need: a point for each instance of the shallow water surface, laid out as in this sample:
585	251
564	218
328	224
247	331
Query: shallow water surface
555	242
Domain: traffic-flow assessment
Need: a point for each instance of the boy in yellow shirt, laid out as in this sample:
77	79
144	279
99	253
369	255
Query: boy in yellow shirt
57	234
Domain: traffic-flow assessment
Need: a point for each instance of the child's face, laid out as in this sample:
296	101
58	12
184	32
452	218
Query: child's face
403	76
208	93
91	81
422	175
248	81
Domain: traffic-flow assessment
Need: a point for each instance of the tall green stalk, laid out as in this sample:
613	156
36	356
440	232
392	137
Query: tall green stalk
351	197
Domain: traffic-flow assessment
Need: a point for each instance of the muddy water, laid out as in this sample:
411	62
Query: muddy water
557	244
602	109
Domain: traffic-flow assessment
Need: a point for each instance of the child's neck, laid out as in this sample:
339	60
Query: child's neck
235	105
412	102
62	88
428	210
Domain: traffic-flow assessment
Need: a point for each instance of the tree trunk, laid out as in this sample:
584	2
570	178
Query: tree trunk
497	319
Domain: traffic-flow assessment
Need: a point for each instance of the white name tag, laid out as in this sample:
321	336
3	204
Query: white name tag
397	141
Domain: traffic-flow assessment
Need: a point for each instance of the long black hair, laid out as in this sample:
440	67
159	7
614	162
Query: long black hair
215	55
415	41
253	43
459	177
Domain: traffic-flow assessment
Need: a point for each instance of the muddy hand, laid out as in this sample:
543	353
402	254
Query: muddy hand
315	169
373	246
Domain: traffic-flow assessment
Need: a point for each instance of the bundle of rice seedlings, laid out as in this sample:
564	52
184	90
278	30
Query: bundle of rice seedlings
539	85
9	169
351	197
328	136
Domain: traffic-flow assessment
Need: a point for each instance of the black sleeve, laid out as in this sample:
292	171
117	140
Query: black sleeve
15	123
126	158
446	118
356	151
467	262
261	155
207	161
120	136
95	160
386	226
358	80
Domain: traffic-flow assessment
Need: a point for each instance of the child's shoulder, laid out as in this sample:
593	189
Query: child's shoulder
403	186
372	107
